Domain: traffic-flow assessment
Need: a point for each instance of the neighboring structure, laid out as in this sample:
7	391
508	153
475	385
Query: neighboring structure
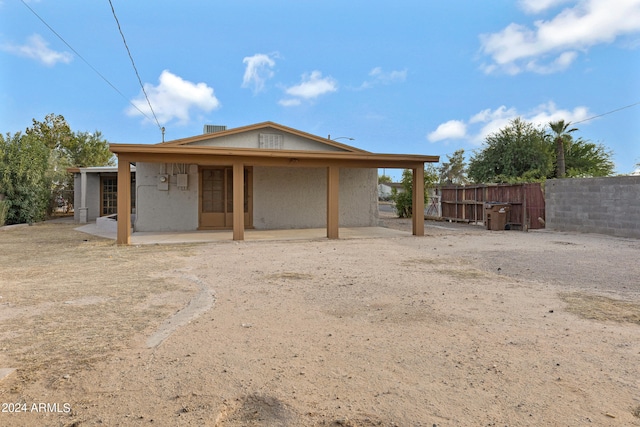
385	190
608	205
265	176
96	192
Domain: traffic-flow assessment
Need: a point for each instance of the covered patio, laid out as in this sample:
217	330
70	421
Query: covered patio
239	158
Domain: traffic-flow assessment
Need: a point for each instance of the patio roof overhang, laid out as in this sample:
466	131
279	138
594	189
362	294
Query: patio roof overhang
241	157
207	155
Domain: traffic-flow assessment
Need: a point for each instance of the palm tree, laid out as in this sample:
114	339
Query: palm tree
561	134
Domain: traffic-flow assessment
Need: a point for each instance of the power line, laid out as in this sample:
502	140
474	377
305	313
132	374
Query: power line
84	60
607	113
135	68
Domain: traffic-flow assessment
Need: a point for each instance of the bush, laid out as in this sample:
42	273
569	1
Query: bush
403	200
4	210
23	179
403	203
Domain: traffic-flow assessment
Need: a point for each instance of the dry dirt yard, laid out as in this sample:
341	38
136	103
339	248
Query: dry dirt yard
464	327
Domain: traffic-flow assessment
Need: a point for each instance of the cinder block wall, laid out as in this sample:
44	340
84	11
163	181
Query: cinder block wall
285	198
594	205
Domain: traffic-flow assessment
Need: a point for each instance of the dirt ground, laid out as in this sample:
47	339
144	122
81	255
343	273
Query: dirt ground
464	327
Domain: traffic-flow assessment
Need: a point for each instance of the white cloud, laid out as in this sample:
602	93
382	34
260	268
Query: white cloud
537	6
453	129
562	62
548	112
312	86
290	102
489	121
37	48
378	76
259	70
555	42
174	98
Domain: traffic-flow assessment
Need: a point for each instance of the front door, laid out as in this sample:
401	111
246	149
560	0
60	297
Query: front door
216	197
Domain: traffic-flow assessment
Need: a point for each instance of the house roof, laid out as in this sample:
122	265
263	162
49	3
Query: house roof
183	151
262	126
97	169
221	155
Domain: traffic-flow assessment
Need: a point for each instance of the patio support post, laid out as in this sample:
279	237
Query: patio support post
124	201
333	212
238	201
417	207
82	209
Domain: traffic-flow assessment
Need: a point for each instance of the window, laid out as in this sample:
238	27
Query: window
109	194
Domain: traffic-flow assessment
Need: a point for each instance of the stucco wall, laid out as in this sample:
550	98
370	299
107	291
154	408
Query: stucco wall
282	198
296	198
165	210
594	205
250	139
93	196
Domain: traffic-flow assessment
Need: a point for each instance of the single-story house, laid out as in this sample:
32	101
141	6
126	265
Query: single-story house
263	176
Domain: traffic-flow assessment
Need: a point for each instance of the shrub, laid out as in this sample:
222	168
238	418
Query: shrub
4	210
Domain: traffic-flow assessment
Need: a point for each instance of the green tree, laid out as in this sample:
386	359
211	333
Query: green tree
53	131
68	149
23	180
384	179
453	171
33	165
403	200
521	152
518	152
587	159
561	138
86	149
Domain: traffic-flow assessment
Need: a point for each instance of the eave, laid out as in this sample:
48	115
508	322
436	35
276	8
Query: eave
208	155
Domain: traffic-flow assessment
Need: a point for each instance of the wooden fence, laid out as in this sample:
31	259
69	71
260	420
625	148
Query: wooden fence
468	203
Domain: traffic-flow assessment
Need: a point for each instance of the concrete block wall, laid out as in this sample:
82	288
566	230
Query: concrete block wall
93	197
283	198
608	205
174	209
286	198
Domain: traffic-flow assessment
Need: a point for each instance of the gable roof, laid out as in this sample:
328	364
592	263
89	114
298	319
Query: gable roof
261	126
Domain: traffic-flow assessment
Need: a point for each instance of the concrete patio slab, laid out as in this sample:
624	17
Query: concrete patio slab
203	236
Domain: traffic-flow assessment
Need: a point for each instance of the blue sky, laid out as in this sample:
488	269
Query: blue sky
426	77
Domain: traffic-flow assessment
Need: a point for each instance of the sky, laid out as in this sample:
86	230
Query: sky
414	77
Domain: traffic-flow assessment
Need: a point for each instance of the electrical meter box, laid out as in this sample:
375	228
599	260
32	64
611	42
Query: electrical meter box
163	182
183	181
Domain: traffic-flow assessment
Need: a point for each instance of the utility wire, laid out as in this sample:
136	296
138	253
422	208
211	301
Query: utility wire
135	68
84	60
607	113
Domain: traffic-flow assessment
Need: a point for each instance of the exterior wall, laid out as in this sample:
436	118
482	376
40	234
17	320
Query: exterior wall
594	205
285	198
251	140
165	210
358	198
93	196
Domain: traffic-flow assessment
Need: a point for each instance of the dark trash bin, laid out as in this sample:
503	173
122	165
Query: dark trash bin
496	215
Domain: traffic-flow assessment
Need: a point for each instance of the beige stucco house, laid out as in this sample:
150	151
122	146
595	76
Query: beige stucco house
263	176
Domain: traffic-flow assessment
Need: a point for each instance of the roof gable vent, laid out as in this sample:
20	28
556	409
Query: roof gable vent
214	128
